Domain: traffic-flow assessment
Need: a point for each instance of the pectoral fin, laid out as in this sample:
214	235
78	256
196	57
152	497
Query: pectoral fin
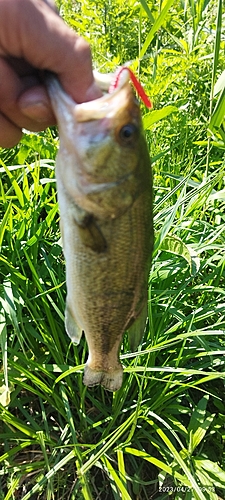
92	237
89	232
136	330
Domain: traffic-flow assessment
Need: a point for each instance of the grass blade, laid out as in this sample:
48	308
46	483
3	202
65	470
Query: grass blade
157	24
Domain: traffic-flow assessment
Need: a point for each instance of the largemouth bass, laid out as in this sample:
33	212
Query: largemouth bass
104	184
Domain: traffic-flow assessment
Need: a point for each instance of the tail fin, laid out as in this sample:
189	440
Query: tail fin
111	380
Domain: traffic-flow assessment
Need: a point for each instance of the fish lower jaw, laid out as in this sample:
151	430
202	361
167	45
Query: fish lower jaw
110	380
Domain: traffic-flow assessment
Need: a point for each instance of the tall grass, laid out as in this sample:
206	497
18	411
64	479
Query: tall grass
162	434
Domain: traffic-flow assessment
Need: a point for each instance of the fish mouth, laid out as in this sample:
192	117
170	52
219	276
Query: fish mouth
104	106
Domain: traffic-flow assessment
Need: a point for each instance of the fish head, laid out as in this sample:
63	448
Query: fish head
102	147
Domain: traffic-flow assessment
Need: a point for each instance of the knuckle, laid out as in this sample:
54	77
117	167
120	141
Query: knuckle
83	51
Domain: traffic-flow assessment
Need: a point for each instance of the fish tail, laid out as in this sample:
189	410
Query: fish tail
110	380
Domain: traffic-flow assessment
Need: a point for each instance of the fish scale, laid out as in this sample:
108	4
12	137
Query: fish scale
104	184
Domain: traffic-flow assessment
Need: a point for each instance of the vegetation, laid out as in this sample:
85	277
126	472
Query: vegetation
162	434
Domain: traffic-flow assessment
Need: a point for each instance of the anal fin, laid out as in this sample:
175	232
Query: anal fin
73	330
137	329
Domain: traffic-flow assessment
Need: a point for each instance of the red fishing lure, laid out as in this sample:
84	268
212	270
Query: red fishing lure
135	82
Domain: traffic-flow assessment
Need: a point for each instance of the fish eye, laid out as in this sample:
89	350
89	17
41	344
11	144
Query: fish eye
127	132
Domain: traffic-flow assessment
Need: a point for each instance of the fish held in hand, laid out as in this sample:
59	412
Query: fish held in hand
104	184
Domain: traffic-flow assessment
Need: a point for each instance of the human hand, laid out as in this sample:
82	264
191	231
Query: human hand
34	38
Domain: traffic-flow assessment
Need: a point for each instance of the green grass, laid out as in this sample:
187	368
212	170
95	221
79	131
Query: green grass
162	434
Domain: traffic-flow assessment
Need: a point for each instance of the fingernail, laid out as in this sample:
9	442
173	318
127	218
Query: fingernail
34	103
38	111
